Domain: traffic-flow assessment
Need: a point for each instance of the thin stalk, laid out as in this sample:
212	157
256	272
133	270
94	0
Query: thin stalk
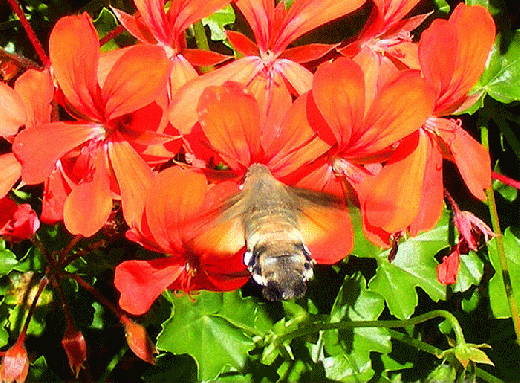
30	33
505	180
508	287
202	42
316	327
43	282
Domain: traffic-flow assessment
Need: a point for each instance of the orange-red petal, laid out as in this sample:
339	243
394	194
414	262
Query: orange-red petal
36	90
259	15
296	143
135	80
39	149
187	12
306	53
141	282
393	200
133	176
10	172
344	81
74	61
172	206
399	108
88	206
305	15
242	43
12	111
231	120
296	75
183	114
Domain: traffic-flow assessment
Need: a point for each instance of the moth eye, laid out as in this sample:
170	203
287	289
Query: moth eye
249	260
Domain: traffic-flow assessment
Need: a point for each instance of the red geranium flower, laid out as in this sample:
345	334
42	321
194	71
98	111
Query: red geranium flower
270	70
415	171
113	107
17	222
175	202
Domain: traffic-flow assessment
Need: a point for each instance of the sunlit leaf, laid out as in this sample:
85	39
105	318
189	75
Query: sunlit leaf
497	294
218	20
414	266
350	349
470	272
502	75
202	329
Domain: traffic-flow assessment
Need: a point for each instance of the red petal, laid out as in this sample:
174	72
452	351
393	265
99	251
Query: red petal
135	26
154	18
231	119
242	44
296	144
306	53
183	113
432	194
259	15
345	80
141	282
172	206
391	115
56	191
182	73
188	12
224	273
449	268
469	36
136	79
89	204
39	149
403	175
12	111
74	61
470	157
299	77
199	57
305	15
36	90
9	173
134	177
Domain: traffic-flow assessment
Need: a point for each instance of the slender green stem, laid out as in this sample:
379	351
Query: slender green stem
318	326
201	41
513	306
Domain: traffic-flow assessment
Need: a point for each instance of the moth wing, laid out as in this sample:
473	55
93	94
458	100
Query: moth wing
221	230
324	222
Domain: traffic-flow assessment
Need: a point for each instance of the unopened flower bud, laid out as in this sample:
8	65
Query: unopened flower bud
17	222
76	348
449	268
138	340
15	364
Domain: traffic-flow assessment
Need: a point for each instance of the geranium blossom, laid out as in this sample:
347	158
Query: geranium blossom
416	171
111	109
387	36
270	70
175	202
363	124
153	25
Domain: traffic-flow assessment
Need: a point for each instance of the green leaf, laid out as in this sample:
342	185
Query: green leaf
502	75
350	349
218	20
414	266
8	260
4	337
105	23
497	294
470	272
202	329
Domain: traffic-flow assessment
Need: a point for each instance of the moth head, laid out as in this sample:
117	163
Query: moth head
282	273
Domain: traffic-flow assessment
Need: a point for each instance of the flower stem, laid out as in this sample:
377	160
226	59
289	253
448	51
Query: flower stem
43	282
30	33
319	326
201	41
506	180
513	306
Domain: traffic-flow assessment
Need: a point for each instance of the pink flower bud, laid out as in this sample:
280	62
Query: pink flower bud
15	364
138	340
17	222
471	229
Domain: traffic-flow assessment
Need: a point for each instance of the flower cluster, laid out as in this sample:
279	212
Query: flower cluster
373	117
